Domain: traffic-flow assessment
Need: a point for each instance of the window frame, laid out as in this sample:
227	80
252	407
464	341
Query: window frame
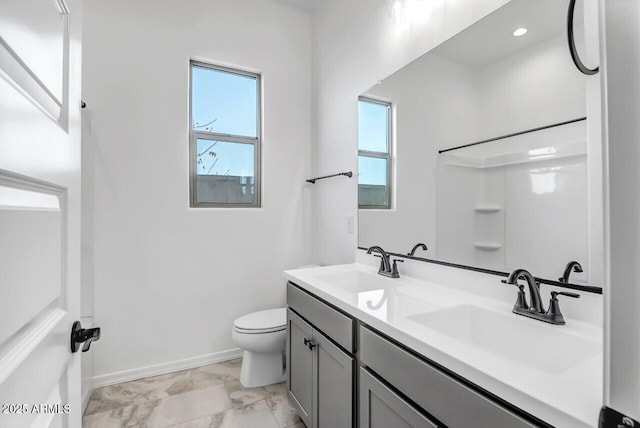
194	136
380	155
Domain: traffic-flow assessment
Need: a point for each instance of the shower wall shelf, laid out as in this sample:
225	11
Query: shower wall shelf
488	209
488	246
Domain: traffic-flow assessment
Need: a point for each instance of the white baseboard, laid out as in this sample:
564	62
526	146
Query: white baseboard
164	368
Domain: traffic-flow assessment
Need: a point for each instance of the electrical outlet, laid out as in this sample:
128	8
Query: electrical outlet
350	225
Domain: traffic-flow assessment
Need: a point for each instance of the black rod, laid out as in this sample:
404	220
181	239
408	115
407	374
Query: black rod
514	134
346	174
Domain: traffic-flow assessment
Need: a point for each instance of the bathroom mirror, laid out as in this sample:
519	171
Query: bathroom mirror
487	150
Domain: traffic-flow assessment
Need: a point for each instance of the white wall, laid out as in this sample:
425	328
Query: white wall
355	45
169	280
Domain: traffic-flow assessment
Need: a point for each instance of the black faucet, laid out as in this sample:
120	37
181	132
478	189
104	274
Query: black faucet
534	287
571	267
385	268
415	248
536	310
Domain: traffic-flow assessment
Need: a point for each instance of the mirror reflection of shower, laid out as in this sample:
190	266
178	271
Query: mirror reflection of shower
504	204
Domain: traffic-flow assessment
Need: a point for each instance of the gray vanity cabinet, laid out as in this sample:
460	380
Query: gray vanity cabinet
397	388
445	398
300	366
380	407
333	380
320	361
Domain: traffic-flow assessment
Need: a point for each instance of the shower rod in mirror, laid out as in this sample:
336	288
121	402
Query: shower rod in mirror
585	288
346	174
513	135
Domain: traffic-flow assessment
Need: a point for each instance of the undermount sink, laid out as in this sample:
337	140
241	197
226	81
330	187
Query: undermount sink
358	282
544	347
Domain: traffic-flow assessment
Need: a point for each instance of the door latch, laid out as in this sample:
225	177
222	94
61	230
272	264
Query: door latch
83	335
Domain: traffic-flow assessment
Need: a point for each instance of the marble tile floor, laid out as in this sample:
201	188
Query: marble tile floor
204	397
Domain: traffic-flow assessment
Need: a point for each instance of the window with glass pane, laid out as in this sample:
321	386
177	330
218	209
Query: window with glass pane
374	154
225	137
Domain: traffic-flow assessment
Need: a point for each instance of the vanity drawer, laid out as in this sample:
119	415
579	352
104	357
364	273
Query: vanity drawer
381	407
331	322
439	394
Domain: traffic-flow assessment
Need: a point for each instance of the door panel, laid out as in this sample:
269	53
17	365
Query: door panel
382	408
333	375
50	419
40	64
38	371
33	49
299	365
31	231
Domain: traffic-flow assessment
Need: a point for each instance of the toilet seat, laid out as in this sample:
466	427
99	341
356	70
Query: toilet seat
262	322
259	331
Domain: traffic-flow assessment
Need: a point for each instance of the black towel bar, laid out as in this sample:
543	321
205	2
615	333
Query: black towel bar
346	174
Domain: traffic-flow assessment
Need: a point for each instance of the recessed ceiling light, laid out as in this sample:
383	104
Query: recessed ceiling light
520	32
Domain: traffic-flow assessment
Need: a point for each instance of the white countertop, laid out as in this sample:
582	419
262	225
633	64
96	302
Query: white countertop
558	384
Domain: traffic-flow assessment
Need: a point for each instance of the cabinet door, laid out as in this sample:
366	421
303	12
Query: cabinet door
382	408
333	378
300	363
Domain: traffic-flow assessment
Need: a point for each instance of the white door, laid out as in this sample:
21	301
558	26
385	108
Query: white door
40	64
620	39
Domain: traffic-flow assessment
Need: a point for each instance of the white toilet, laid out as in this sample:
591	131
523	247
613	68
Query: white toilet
262	336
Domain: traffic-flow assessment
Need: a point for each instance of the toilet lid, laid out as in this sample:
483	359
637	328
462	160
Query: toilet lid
263	320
